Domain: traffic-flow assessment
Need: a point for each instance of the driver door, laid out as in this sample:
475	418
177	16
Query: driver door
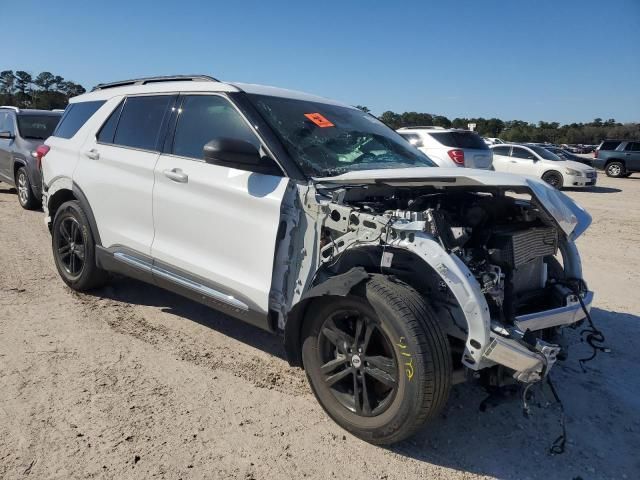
215	227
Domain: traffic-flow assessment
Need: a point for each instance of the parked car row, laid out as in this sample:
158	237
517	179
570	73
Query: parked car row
388	279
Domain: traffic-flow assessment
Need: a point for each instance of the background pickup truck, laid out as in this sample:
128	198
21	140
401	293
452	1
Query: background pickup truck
618	158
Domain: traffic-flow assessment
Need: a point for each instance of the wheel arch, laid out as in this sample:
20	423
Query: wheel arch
615	159
552	170
17	163
64	190
358	265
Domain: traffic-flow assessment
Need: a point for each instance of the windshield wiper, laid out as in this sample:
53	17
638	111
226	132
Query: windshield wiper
33	137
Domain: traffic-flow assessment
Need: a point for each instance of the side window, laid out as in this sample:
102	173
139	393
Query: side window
504	151
6	123
75	116
633	147
108	130
204	118
518	152
140	121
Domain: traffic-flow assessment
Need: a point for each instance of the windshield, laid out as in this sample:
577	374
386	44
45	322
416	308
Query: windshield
327	140
546	154
37	127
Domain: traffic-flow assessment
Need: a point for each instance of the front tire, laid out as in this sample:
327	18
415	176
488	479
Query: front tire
27	199
377	360
615	170
554	179
74	249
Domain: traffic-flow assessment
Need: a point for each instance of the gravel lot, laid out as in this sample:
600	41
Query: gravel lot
134	382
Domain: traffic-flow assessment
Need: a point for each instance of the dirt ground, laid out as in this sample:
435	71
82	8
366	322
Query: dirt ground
134	382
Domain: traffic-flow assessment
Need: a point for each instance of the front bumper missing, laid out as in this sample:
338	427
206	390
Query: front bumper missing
571	313
531	363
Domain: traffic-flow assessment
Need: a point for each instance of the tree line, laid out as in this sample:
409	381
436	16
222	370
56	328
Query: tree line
49	91
590	133
46	90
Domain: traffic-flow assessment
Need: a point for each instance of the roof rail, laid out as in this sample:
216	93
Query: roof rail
421	127
58	110
146	80
10	107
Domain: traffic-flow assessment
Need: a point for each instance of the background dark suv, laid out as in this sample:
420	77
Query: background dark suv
22	131
618	158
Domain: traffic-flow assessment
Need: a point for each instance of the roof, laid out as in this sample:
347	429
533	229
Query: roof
425	127
191	83
434	129
31	111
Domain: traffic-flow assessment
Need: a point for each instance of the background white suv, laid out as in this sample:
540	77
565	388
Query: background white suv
541	163
449	147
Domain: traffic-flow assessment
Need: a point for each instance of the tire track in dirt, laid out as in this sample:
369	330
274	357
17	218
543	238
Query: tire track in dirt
123	318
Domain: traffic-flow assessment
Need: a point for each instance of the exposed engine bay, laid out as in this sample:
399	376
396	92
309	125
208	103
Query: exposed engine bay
494	261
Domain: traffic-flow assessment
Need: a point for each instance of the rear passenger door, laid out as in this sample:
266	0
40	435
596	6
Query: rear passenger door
215	226
501	158
523	162
116	171
632	156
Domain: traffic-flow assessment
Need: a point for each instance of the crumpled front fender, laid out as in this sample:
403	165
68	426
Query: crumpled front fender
463	286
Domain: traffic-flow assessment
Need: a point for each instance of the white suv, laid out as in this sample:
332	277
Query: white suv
450	147
541	163
306	217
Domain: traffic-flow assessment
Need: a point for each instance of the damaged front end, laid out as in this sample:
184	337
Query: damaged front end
494	255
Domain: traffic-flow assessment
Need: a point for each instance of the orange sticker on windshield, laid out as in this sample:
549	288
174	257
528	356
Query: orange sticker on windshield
319	120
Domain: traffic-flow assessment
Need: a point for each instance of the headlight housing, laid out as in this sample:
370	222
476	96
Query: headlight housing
575	173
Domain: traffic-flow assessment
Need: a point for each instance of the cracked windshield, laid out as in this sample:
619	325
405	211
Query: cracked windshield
328	140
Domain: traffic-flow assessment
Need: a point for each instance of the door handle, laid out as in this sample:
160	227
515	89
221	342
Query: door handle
177	175
93	154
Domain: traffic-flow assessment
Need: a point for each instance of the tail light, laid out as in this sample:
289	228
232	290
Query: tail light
457	156
39	154
595	153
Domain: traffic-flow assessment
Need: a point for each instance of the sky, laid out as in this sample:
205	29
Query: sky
551	60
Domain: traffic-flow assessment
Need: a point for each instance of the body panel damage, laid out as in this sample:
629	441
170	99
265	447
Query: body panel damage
492	254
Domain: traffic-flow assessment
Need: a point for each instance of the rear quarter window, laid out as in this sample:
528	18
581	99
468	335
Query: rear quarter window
460	140
609	145
75	116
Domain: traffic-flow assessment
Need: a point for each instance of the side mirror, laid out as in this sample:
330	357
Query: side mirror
7	135
228	152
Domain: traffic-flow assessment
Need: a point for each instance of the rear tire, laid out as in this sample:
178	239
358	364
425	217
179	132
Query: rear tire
554	179
615	169
27	199
384	379
74	248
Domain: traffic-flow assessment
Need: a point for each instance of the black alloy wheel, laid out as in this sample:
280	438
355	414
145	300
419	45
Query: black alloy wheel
74	248
70	245
358	362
